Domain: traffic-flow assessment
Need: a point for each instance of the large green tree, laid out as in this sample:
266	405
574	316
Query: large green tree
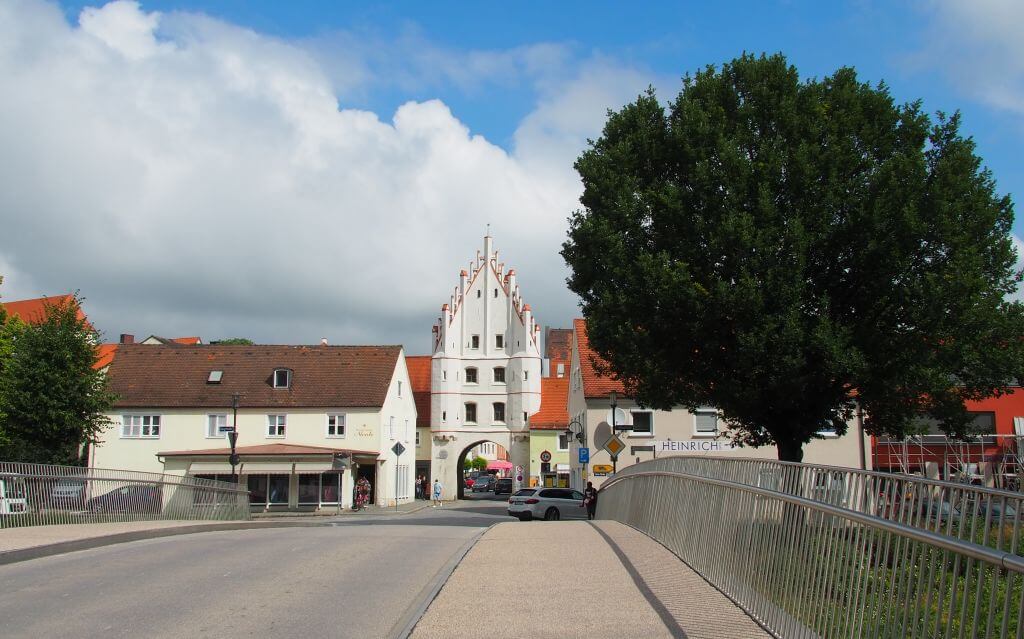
788	249
52	399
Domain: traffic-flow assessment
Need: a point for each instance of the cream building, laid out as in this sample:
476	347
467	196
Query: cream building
657	433
485	371
310	419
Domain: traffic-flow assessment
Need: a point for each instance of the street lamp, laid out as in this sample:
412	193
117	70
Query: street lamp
615	458
233	437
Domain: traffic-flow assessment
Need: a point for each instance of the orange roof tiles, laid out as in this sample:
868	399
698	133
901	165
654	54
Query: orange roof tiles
419	377
554	405
33	310
185	340
104	355
594	384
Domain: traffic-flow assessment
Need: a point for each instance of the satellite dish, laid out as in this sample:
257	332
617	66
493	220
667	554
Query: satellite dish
622	418
602	432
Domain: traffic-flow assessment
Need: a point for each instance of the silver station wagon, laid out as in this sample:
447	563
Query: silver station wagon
550	504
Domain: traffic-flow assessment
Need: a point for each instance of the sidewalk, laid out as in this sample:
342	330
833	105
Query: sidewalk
574	579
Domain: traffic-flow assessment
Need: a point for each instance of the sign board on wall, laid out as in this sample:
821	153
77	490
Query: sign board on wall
692	446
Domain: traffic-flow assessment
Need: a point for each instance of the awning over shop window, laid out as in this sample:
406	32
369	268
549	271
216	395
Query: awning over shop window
307	467
562	468
256	467
198	467
498	464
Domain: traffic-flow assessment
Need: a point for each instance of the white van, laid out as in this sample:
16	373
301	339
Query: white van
13	496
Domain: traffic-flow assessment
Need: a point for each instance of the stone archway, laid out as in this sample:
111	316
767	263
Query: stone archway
450	449
461	486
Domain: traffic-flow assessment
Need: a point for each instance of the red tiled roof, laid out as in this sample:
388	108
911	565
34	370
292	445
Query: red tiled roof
185	340
33	310
419	377
554	405
104	355
266	449
594	384
322	376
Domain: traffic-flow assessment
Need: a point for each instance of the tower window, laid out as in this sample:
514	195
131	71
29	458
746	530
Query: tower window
499	411
471	375
478	293
499	375
470	413
495	293
474	341
499	341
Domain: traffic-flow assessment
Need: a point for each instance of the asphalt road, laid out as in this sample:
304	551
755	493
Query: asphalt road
349	577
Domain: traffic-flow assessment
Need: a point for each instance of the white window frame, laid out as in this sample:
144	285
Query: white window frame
339	418
494	412
476	375
213	421
287	378
705	433
147	426
494	374
650	433
475	416
277	422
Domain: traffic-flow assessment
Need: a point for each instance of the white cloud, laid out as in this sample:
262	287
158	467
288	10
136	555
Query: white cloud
1018	244
978	45
190	176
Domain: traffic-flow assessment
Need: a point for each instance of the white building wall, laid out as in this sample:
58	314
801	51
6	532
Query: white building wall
398	420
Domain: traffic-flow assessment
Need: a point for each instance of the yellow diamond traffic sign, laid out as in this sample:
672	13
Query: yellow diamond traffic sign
614	446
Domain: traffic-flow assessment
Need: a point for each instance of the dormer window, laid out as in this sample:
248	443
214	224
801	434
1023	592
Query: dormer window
282	378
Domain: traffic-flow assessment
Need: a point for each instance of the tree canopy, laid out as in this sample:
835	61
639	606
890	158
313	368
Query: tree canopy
52	399
786	250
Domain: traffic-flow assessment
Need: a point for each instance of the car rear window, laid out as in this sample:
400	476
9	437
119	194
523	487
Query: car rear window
526	492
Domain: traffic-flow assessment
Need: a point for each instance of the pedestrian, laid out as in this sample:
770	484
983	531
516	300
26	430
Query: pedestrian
437	493
419	487
590	499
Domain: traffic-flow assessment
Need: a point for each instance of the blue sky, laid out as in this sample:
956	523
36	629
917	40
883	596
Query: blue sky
278	170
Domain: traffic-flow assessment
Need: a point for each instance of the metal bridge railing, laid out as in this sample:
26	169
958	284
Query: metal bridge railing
37	494
819	551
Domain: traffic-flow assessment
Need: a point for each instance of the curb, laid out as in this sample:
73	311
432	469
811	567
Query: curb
62	547
406	624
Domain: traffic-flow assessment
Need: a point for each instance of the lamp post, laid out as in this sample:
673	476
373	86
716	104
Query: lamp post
615	458
233	437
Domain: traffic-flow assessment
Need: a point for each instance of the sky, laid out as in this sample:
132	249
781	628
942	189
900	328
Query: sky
289	172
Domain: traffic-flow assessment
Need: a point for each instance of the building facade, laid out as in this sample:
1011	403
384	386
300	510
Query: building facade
485	371
310	420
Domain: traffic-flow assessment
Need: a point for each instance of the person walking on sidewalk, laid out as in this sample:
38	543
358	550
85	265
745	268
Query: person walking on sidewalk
590	499
437	492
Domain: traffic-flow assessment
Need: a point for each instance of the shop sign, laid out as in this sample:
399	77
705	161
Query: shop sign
692	446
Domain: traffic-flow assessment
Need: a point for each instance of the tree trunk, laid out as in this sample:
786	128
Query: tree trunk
790	450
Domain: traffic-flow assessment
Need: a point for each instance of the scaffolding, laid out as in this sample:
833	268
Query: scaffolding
996	461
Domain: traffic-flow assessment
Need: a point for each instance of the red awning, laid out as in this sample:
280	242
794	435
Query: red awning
497	464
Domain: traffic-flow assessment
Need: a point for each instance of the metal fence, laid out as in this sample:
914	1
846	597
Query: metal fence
821	551
37	494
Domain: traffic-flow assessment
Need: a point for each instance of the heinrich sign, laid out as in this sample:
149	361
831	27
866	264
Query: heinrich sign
692	446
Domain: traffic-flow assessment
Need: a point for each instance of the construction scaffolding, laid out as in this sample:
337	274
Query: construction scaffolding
996	461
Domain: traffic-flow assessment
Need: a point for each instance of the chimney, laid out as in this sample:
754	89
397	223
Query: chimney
127	338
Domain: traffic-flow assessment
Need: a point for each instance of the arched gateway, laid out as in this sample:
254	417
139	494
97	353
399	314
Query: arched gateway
485	370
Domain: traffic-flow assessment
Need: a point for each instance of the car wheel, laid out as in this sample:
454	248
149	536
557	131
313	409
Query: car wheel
552	514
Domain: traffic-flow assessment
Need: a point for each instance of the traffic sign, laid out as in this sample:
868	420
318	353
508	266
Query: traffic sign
545	456
614	446
519	469
584	455
602	470
225	429
398	449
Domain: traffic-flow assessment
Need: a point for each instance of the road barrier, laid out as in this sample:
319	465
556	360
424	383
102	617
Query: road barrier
821	551
38	494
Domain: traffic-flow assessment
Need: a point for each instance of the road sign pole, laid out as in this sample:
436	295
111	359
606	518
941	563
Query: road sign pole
615	458
396	482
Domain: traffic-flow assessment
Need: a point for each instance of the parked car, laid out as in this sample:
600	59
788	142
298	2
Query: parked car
503	486
136	498
13	496
483	484
550	504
